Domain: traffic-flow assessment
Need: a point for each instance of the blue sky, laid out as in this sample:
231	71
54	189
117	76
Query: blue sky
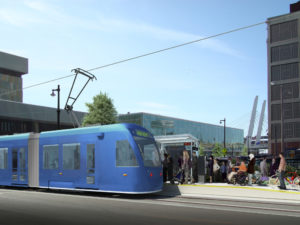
204	82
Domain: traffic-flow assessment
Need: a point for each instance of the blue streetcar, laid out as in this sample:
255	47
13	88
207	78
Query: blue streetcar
121	158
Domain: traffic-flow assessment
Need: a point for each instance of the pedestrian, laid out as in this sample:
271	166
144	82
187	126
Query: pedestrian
250	168
281	170
179	161
195	167
229	165
224	172
186	165
165	167
237	161
273	167
263	167
216	169
170	168
211	168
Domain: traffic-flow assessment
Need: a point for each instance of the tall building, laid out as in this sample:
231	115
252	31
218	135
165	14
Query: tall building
17	117
11	70
283	81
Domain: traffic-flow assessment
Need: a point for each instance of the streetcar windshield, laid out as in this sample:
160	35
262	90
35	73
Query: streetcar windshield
148	151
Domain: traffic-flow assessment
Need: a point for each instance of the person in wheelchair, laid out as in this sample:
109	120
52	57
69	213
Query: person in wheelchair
239	175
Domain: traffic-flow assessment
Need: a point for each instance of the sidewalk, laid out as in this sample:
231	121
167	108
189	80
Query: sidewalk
233	192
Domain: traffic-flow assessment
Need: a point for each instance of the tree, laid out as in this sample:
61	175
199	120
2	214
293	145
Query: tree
201	150
101	111
244	151
217	150
224	151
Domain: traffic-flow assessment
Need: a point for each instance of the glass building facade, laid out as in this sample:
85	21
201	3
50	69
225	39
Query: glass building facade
163	125
11	87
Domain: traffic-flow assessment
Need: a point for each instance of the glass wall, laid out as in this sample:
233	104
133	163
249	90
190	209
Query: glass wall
206	133
11	88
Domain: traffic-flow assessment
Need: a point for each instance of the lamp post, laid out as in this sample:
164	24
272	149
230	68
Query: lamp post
224	131
282	118
58	107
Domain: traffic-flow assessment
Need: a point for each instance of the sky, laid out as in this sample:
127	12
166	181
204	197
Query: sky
206	81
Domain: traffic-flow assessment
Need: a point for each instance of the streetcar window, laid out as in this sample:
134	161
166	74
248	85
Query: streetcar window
90	156
22	158
148	151
124	154
71	156
50	156
3	158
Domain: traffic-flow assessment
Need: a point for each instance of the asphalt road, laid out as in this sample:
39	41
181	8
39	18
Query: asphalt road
22	207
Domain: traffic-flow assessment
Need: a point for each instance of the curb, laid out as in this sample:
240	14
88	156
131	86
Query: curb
239	187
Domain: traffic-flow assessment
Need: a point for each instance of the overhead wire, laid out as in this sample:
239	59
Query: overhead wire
144	55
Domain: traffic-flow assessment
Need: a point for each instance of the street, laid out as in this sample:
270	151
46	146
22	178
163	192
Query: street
45	207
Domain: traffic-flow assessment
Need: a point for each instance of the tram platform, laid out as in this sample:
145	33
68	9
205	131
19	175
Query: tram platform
233	192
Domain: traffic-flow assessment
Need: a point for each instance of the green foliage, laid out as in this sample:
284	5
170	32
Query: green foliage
217	150
291	169
201	150
101	111
224	151
245	151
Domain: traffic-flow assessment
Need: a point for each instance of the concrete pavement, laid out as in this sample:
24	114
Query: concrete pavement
234	192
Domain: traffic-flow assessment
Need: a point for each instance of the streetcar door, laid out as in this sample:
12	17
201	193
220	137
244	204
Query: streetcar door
19	166
90	166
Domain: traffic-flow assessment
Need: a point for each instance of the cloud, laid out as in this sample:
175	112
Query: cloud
37	5
39	12
167	35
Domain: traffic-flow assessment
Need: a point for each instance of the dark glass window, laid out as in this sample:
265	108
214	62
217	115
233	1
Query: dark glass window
15	160
275	112
148	151
296	109
297	130
3	158
288	111
90	156
284	52
50	156
124	154
276	131
284	31
288	130
71	156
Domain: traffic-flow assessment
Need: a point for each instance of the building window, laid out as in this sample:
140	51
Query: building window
288	130
3	158
288	111
284	52
275	112
124	154
275	131
284	31
296	109
297	130
275	92
71	156
291	90
50	157
285	71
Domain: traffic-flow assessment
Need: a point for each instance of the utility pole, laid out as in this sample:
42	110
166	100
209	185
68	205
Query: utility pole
224	131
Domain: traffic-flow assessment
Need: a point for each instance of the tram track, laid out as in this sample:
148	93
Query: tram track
287	209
